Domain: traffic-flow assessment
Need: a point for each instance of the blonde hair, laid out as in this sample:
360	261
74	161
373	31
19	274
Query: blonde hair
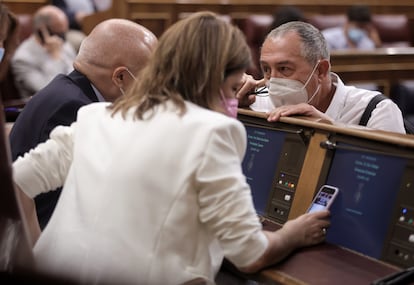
191	61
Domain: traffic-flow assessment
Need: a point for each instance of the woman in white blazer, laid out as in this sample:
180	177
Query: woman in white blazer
153	187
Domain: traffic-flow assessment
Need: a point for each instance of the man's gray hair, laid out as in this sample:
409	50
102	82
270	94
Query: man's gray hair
314	45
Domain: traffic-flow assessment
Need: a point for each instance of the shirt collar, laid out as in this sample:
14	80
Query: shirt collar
98	94
338	100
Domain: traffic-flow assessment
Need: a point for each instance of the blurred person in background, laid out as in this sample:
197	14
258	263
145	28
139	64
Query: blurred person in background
358	32
45	54
76	11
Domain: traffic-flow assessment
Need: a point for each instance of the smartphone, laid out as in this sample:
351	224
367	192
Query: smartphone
49	32
324	198
40	35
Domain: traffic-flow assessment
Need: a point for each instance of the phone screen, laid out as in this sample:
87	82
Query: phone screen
324	198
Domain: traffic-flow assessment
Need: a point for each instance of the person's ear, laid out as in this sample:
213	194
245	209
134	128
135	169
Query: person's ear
324	68
118	76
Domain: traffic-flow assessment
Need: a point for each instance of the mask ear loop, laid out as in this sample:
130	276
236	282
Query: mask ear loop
314	94
307	81
130	73
313	71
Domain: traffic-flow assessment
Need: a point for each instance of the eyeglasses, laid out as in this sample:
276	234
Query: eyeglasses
261	92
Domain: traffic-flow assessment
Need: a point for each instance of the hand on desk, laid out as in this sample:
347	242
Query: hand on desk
306	230
299	109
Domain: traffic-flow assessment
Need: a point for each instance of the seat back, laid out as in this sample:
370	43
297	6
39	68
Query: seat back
394	30
255	28
323	22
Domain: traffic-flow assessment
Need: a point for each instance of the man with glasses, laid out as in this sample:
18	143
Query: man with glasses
297	71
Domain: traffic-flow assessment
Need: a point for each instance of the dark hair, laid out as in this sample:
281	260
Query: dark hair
313	46
359	14
286	14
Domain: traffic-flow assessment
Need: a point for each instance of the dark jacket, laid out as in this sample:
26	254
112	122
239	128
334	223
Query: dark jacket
56	104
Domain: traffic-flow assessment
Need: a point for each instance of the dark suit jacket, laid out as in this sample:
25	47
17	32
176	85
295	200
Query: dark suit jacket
56	104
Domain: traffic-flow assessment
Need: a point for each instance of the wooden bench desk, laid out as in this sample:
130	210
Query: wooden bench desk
323	264
385	66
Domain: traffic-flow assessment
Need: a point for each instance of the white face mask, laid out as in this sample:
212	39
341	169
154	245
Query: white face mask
284	91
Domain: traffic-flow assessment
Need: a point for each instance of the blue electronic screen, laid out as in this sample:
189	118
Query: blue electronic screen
368	186
259	165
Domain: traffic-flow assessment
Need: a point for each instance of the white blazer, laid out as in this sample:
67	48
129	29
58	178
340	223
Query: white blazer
156	201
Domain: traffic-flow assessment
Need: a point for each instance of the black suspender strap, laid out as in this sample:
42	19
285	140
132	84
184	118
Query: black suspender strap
370	107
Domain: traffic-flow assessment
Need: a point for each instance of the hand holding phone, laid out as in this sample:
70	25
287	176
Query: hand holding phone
324	198
50	41
43	33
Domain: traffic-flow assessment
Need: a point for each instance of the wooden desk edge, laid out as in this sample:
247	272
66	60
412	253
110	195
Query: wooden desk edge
362	132
278	272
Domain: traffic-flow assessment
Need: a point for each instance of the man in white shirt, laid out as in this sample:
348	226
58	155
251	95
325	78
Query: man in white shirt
296	65
154	191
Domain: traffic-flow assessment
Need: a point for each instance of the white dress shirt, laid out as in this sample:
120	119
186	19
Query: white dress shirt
349	103
336	40
156	201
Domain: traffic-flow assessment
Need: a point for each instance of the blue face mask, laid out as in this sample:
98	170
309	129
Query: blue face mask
356	35
1	53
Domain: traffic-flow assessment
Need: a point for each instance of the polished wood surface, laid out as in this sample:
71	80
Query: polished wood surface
158	15
357	131
323	264
384	66
314	159
24	6
328	264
